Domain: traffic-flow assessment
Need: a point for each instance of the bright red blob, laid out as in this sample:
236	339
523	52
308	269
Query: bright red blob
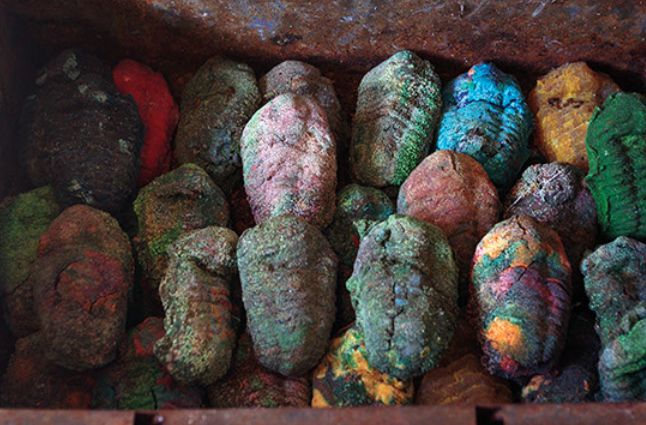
158	111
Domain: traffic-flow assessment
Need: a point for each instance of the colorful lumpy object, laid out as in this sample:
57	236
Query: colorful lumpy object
306	80
200	334
23	220
522	288
485	116
248	384
345	378
614	281
216	105
76	117
616	144
288	276
81	279
453	192
289	161
158	112
183	200
556	194
137	381
32	382
563	102
397	112
404	291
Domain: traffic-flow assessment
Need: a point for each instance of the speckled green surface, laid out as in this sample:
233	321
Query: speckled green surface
404	290
177	202
23	220
195	292
216	104
616	143
398	108
288	275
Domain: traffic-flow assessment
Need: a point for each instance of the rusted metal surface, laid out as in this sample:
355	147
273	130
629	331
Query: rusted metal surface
65	417
570	414
347	416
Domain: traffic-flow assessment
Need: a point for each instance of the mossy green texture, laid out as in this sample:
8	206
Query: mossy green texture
216	105
137	381
404	291
177	202
398	108
616	143
355	203
522	291
196	295
288	275
248	384
345	378
485	116
23	220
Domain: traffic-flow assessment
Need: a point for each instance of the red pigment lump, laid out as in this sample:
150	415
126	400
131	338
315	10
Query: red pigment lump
158	111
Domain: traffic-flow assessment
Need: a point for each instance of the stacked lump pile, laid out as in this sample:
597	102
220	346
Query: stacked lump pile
439	268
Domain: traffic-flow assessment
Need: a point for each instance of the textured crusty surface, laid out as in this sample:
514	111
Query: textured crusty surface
23	220
33	382
453	192
404	291
288	275
522	291
485	116
82	136
289	161
81	279
563	102
195	292
345	378
137	381
175	203
616	143
301	78
556	194
248	384
398	108
216	105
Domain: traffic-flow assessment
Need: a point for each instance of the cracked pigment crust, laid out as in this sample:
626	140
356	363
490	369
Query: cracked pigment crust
404	290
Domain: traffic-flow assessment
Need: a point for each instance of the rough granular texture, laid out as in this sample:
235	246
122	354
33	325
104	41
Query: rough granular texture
614	276
158	112
137	381
614	281
355	203
306	80
555	194
249	385
178	202
577	380
81	135
196	294
216	105
460	378
289	161
404	291
398	108
345	378
23	220
453	192
288	275
522	290
563	102
32	382
81	279
616	142
485	116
